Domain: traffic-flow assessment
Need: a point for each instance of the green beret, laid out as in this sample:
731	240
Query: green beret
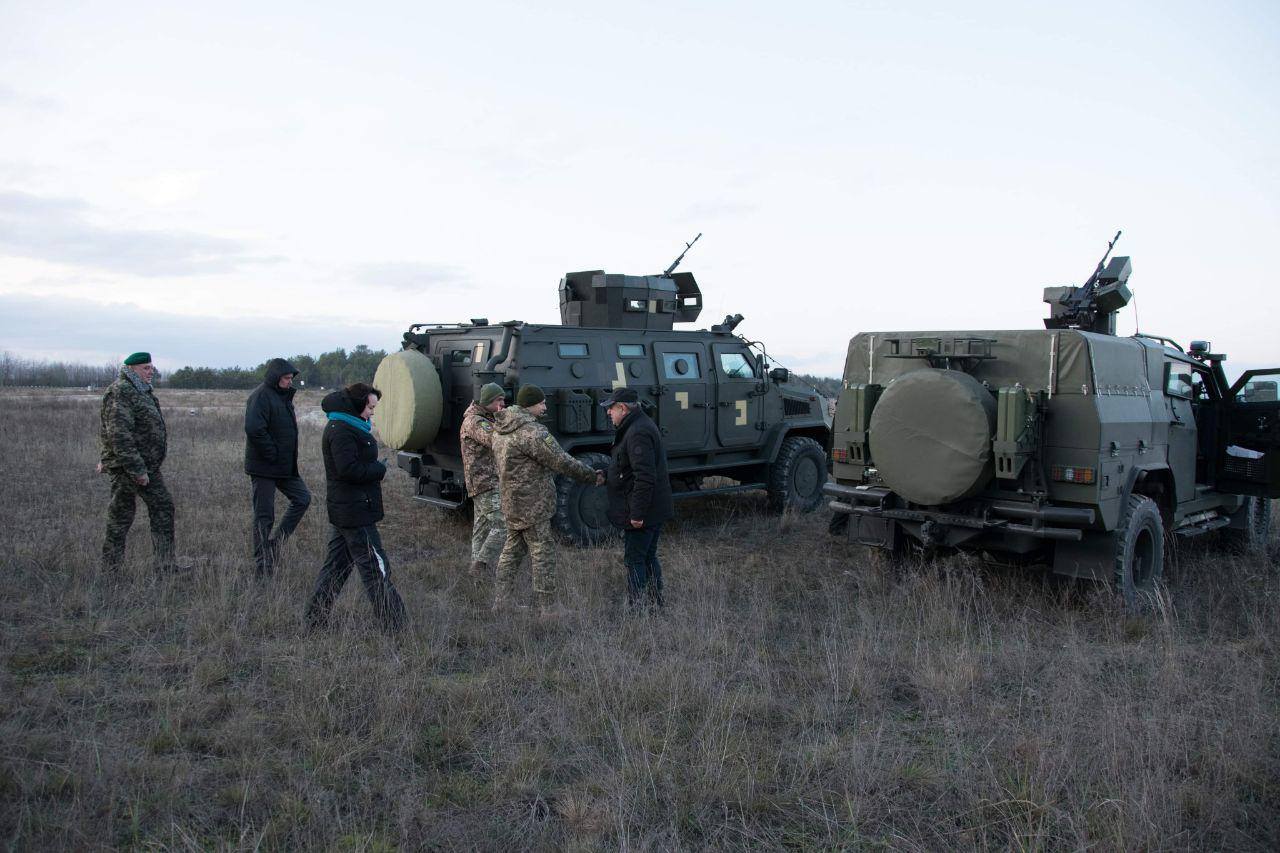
490	392
529	395
138	358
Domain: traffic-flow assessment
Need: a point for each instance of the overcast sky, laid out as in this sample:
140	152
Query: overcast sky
221	183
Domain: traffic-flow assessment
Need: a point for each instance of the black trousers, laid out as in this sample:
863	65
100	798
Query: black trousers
644	571
360	547
266	544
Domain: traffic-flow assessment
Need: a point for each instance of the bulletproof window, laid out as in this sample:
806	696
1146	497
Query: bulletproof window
460	356
572	350
630	350
637	305
681	365
1178	381
736	365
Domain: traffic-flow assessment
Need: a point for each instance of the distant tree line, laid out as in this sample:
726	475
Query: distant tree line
327	370
29	372
828	386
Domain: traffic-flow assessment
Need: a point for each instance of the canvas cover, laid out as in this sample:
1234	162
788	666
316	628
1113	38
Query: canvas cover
408	416
1056	360
931	435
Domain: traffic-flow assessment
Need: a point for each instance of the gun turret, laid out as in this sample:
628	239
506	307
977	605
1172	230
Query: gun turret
1093	305
604	300
599	299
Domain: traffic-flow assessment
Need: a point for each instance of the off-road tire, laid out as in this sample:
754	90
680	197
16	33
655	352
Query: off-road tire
1139	553
1254	539
797	476
581	509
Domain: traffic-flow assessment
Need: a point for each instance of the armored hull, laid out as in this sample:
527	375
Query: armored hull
722	408
1063	445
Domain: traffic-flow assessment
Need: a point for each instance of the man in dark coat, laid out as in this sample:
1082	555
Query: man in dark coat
353	497
271	461
639	493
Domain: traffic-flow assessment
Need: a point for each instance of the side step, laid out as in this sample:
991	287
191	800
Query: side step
718	490
443	503
1202	527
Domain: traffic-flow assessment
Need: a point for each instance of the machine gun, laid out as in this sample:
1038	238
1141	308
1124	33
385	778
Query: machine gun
687	246
1093	305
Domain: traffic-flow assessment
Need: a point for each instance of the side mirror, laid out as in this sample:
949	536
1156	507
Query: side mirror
780	375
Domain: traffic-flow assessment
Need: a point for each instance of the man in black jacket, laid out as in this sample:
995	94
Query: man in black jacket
639	493
271	461
353	497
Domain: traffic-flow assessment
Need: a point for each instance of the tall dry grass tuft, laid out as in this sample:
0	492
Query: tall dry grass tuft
798	692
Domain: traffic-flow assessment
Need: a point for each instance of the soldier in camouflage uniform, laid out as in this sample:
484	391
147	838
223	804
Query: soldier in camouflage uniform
528	458
488	531
134	439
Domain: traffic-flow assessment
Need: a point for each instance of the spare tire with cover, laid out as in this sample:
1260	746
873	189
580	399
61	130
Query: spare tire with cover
931	436
408	415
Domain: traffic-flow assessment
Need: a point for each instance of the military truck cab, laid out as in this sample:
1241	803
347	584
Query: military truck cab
1065	445
723	409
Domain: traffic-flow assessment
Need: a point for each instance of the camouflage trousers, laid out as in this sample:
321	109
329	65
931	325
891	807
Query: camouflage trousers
488	529
120	512
539	544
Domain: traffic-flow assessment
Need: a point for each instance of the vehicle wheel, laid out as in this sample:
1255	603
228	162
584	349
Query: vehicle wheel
1139	552
1254	537
582	511
797	476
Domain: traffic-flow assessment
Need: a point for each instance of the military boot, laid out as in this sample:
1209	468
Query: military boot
480	572
554	611
507	607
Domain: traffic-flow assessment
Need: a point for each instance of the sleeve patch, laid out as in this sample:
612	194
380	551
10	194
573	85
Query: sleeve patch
486	426
549	440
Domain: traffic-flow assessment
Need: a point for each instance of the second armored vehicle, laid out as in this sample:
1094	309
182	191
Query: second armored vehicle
1066	445
723	409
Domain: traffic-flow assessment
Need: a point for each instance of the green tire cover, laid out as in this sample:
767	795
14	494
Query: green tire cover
931	436
408	415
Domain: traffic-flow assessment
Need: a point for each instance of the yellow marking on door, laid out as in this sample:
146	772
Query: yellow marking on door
741	419
682	397
621	381
653	306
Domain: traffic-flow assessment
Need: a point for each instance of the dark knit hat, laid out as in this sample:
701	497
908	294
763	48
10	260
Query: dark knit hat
529	395
489	392
138	358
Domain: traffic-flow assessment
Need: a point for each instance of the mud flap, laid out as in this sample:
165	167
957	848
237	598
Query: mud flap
1093	557
876	532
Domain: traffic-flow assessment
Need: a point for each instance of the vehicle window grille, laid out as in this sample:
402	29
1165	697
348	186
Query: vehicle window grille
794	408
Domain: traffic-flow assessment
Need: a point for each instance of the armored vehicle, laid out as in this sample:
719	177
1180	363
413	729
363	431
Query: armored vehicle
1066	445
722	407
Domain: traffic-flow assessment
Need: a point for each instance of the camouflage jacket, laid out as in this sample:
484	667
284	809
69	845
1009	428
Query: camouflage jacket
477	450
528	458
133	435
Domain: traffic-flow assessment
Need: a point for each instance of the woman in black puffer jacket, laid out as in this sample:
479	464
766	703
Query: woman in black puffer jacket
353	477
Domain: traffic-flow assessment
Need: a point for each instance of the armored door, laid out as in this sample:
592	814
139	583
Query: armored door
1249	451
682	372
1181	386
738	397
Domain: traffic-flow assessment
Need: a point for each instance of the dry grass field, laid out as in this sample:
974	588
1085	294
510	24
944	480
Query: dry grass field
796	694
